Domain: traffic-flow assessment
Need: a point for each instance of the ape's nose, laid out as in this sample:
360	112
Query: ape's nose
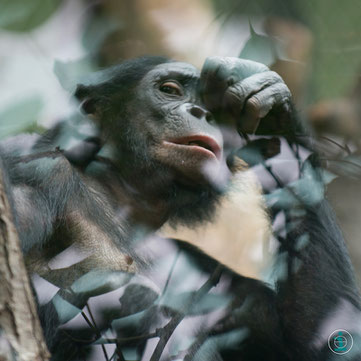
200	112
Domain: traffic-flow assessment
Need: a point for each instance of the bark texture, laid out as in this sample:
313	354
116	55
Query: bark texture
21	336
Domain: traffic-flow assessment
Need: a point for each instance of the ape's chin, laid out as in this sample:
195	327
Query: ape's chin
189	197
192	205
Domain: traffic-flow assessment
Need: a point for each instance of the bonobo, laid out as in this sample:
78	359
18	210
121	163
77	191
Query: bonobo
86	209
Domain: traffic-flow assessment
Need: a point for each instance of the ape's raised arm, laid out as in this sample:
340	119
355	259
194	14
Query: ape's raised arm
316	293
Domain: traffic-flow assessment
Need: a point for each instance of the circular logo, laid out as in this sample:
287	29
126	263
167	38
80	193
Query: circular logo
340	342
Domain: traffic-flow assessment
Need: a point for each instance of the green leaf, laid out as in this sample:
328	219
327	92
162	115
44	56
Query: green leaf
72	73
25	15
259	150
65	310
208	303
97	30
98	282
308	190
260	48
137	298
20	117
135	320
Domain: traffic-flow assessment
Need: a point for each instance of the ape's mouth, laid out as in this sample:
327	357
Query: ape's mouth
201	143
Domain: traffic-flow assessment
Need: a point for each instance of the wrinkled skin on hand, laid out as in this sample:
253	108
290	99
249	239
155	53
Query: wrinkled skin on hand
246	93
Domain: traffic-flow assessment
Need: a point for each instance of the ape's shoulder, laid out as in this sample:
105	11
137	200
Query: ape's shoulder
18	145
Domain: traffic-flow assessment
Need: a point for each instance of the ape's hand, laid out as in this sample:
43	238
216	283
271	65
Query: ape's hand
247	93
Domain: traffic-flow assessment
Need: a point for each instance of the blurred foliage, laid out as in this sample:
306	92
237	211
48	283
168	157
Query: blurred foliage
336	30
21	116
307	190
25	15
96	30
261	48
288	9
72	73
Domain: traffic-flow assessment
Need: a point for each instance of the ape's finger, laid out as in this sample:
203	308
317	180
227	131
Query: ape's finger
220	72
236	94
260	104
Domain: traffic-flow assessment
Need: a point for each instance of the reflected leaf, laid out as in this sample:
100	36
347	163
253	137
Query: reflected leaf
97	30
302	242
231	339
181	343
176	301
208	303
21	117
70	133
228	340
25	15
130	353
137	298
309	190
140	323
65	310
98	282
259	150
132	321
260	48
280	270
72	73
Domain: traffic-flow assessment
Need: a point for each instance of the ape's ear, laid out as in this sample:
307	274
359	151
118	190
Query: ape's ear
89	102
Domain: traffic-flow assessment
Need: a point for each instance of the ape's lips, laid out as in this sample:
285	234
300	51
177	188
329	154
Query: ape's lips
202	143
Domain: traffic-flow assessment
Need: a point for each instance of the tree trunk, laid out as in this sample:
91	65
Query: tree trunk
21	336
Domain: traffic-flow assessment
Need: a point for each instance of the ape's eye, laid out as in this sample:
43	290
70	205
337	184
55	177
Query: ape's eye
172	88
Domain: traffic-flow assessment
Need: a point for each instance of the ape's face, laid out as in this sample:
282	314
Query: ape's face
177	129
168	147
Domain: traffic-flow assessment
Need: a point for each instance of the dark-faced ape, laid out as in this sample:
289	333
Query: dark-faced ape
87	211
